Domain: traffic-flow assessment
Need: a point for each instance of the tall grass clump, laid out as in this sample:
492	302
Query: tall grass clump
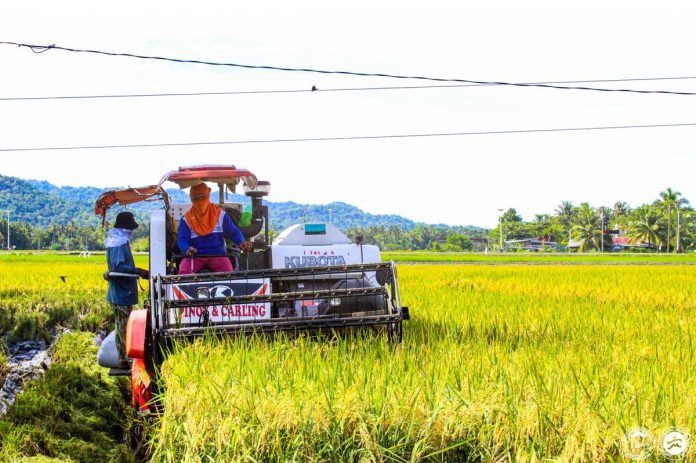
4	367
510	363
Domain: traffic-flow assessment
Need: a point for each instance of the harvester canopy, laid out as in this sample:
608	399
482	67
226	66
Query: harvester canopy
224	175
124	197
184	177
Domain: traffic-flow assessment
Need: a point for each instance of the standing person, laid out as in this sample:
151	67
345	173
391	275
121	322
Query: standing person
202	232
122	292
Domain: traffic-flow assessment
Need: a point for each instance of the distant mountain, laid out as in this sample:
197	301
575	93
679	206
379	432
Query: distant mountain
31	204
81	194
39	202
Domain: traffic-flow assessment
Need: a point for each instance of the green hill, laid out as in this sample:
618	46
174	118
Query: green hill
38	202
34	206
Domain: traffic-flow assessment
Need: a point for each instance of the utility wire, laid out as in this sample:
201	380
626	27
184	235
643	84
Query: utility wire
314	89
44	48
358	137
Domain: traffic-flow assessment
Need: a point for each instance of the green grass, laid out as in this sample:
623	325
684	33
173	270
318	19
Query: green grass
34	300
73	413
49	257
4	369
533	257
499	363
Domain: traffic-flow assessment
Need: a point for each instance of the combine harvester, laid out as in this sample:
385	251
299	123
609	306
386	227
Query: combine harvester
312	279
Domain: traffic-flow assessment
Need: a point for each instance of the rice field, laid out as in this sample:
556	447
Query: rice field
39	292
75	413
499	363
540	258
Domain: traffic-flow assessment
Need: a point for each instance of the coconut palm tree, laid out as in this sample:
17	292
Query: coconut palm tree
553	231
546	228
621	211
645	225
587	229
687	228
566	213
669	201
539	223
682	206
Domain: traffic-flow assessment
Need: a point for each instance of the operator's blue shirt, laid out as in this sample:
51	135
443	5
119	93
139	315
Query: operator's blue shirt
213	243
122	291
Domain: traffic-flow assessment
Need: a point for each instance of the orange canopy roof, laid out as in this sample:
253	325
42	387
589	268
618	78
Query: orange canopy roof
228	175
184	177
123	197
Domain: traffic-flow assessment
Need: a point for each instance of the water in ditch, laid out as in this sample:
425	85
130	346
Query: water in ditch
27	360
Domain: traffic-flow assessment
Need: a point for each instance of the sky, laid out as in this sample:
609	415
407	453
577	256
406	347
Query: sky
457	180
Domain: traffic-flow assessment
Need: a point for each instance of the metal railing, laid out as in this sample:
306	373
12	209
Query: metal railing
278	300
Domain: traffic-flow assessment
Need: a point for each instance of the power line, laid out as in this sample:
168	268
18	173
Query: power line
44	48
358	137
314	89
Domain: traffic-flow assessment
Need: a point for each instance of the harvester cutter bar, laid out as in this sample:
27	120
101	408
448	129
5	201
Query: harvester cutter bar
300	324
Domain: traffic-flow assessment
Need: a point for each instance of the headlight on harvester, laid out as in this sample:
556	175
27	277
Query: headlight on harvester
262	188
335	302
202	293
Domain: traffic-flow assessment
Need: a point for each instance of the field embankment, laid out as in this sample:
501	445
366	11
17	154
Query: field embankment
502	363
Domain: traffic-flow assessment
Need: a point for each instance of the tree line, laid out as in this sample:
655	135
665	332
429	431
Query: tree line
420	237
72	236
57	237
668	224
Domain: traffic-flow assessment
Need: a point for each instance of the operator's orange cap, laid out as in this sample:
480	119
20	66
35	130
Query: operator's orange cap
201	188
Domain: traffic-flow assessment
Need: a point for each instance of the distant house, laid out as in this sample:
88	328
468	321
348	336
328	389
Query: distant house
532	245
623	243
480	243
573	245
618	243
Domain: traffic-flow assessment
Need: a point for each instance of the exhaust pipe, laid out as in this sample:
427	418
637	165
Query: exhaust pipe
259	212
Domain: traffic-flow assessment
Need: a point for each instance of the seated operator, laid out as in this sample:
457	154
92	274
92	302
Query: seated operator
202	232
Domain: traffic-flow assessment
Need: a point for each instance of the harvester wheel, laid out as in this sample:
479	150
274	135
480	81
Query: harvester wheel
395	332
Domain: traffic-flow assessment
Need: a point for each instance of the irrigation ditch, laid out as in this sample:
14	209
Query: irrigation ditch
26	361
56	402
